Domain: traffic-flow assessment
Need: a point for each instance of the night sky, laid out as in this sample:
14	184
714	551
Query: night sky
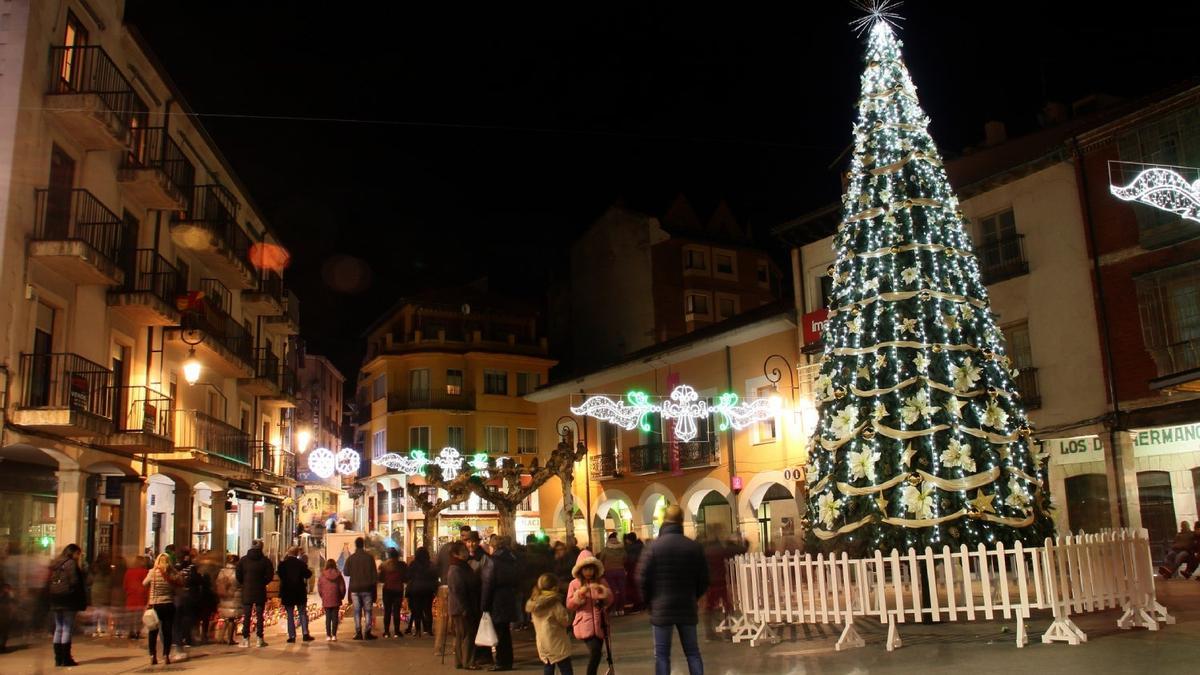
480	139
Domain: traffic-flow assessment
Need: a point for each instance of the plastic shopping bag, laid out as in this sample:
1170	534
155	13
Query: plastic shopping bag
486	635
150	619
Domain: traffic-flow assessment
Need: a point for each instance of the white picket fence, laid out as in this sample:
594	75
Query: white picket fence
1068	575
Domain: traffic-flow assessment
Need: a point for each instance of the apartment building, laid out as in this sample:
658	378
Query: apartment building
449	369
148	371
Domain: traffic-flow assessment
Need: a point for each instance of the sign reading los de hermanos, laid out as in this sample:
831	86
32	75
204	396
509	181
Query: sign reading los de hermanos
1166	440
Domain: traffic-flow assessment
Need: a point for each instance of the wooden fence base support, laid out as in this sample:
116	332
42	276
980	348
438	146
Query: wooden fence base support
1161	614
893	636
1136	615
1022	635
1064	630
850	638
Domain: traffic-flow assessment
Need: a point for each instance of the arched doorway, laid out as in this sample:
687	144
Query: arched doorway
777	515
204	529
714	518
28	501
1157	506
1087	502
105	511
618	517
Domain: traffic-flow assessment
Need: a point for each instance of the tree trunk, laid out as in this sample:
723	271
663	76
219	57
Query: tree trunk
427	537
506	521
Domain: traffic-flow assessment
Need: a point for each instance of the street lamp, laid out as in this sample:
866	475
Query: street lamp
774	375
302	439
191	366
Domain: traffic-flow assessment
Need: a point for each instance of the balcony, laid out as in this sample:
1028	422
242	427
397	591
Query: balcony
156	172
222	343
287	322
90	99
262	458
209	228
1170	315
205	442
77	236
698	454
141	421
64	394
1026	382
267	297
284	394
651	458
151	287
265	381
429	399
605	465
1002	259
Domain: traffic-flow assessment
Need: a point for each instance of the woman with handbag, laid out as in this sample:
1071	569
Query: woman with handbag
160	611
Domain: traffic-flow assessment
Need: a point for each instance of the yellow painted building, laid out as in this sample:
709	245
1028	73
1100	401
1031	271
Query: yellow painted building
448	370
629	476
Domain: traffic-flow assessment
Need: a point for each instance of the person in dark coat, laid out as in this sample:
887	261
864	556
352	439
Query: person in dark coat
462	604
394	574
364	576
254	572
499	596
67	591
422	584
293	592
673	575
633	551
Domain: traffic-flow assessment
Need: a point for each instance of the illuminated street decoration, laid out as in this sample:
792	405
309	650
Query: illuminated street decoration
449	460
1164	189
324	463
684	405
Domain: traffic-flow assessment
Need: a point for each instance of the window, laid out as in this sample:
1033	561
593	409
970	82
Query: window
379	444
528	382
455	437
610	436
1169	303
765	430
496	439
1087	503
75	35
727	307
1016	340
1156	501
418	384
695	259
725	264
418	438
379	387
696	305
1174	141
495	382
762	273
1000	253
527	441
454	383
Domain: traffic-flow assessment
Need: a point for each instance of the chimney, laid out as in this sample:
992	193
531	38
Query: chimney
994	133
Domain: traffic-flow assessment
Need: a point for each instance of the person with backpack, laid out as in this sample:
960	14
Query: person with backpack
254	572
422	584
393	573
67	592
293	593
331	587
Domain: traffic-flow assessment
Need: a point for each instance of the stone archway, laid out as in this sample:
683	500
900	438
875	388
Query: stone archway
41	499
653	500
613	513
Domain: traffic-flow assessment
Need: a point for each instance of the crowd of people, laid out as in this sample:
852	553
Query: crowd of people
486	587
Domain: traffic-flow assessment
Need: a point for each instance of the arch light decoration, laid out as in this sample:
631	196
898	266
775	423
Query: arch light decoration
684	405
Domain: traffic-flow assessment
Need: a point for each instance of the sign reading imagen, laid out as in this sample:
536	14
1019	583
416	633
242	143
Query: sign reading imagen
1166	440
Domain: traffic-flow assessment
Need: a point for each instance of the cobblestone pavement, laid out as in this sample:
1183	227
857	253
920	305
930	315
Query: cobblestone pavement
964	649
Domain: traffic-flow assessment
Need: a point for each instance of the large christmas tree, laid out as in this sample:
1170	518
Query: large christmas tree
922	439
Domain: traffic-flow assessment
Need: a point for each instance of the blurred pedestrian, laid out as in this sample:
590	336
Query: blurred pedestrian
613	557
422	584
137	598
229	598
499	596
67	591
101	582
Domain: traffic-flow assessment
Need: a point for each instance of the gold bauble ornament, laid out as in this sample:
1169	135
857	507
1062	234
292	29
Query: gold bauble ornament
878	124
989	354
937	349
855	310
913	479
831	270
839	393
868	433
908	203
959	214
992	391
895	250
975	514
925	296
1025	431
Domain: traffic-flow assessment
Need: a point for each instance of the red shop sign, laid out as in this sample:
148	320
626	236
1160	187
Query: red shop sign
814	326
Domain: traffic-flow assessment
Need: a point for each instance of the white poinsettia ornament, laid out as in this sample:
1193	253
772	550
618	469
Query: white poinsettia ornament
921	362
964	376
994	416
871	284
916	407
823	387
918	501
844	422
908	325
1016	495
855	325
958	454
909	274
880	411
828	509
862	464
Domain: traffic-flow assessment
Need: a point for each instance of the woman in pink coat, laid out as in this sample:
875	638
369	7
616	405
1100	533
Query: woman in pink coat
331	587
589	597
